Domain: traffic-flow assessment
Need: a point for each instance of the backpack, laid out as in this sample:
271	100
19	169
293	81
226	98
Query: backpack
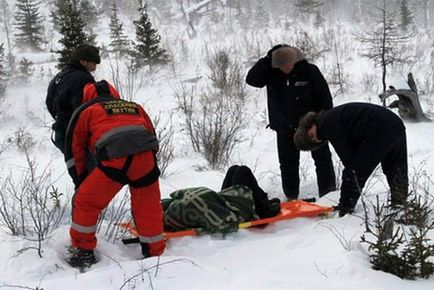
53	86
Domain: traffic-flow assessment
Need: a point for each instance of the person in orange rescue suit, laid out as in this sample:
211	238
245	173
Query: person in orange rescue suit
121	136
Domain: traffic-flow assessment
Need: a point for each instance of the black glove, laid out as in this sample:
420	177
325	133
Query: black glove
343	210
270	52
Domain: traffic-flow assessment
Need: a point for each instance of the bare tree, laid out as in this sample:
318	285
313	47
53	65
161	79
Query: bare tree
126	77
3	74
339	76
6	13
384	43
166	149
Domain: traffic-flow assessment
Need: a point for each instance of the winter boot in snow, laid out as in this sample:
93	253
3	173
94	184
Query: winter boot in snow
145	250
81	258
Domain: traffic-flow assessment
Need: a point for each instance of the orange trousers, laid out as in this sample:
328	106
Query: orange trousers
96	192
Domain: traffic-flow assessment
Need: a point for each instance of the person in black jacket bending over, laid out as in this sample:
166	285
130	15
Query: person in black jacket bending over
363	136
65	90
294	87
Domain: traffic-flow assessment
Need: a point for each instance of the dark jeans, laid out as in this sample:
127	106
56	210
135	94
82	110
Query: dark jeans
289	159
242	175
59	142
392	154
59	139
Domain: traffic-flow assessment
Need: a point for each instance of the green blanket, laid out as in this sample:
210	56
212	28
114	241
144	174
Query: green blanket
207	211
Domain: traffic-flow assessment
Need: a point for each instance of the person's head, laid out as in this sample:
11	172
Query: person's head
99	89
305	138
87	55
285	58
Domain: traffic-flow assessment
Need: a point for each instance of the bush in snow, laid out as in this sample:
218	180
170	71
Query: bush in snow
406	251
30	207
213	123
166	149
226	74
118	211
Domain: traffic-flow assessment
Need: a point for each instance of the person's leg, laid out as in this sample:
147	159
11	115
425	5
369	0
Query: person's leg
94	194
395	168
146	207
243	175
227	181
325	173
365	159
352	186
148	217
289	158
59	140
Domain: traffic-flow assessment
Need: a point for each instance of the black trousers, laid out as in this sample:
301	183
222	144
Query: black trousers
242	175
289	159
59	142
392	154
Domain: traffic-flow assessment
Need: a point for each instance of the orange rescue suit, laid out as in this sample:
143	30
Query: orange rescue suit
121	136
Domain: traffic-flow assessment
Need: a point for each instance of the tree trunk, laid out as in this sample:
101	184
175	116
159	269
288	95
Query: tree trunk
408	104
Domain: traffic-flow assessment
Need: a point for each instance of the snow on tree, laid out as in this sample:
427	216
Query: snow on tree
2	71
119	41
88	13
72	28
406	15
6	20
29	24
147	47
308	7
261	14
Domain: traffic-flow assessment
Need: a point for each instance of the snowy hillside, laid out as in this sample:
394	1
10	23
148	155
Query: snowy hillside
304	253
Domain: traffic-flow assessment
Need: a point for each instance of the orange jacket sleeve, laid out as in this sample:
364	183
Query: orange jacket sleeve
80	142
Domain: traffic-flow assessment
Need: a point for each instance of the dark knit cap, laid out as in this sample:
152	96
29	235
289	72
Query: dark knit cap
86	52
302	140
285	55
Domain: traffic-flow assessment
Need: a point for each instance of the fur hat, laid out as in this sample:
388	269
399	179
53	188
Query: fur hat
86	52
302	140
285	55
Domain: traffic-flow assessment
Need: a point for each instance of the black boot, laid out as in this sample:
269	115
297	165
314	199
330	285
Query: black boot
81	258
145	250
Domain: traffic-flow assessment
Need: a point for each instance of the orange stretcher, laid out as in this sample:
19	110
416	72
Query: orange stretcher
288	210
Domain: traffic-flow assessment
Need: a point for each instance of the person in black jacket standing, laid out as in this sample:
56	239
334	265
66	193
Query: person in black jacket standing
65	90
294	87
363	136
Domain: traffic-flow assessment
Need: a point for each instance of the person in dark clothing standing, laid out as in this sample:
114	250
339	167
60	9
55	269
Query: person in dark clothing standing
65	90
363	136
294	87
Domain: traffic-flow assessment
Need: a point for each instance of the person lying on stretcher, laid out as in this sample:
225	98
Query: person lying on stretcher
240	200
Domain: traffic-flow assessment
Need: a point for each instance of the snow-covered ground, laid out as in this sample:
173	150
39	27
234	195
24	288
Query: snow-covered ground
304	253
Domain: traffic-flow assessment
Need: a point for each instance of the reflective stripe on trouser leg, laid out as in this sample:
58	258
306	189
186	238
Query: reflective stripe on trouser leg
146	202
94	194
83	229
151	239
147	210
